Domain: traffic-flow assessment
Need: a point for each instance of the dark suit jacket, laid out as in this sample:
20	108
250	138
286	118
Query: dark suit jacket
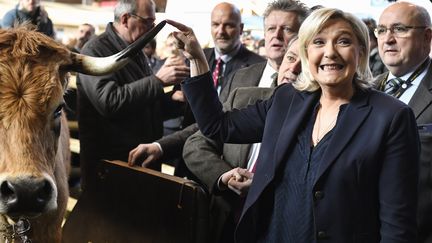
421	103
366	186
209	159
243	58
172	144
245	77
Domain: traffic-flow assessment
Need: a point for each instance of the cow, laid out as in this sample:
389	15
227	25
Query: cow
34	137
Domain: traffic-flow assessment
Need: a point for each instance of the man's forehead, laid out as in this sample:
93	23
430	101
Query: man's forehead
293	48
398	14
225	21
225	17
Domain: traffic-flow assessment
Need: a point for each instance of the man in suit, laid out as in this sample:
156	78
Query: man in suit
282	19
226	28
215	164
404	37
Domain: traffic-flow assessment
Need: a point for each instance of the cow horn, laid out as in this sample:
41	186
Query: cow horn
104	65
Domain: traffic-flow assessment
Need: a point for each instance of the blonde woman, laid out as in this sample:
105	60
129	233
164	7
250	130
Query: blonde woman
339	160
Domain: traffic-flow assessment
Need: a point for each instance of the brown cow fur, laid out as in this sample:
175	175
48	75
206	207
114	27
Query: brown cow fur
31	88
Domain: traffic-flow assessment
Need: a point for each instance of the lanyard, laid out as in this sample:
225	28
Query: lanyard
408	83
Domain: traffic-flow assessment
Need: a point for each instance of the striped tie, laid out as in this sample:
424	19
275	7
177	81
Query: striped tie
274	78
393	85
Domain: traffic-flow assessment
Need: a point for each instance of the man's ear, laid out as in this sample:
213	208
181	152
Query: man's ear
428	35
124	19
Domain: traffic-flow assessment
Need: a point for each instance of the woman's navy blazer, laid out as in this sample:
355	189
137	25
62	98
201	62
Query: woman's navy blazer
366	188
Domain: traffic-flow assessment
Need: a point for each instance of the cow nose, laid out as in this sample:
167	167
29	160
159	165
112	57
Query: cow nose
25	196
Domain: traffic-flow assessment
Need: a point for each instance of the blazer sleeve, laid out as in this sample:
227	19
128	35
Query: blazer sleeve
236	126
399	179
203	156
172	145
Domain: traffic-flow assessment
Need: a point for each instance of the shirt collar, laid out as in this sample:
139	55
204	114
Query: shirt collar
228	56
266	77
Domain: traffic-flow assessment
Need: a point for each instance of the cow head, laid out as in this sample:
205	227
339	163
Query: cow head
33	147
31	100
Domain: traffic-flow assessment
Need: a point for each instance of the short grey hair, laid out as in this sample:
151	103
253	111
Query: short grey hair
423	16
288	6
312	26
124	6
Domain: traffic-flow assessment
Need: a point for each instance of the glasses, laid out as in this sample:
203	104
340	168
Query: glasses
148	22
397	30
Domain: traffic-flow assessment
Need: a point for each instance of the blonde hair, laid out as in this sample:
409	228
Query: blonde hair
312	26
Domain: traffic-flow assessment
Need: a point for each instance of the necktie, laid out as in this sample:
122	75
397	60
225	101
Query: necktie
394	86
274	78
217	71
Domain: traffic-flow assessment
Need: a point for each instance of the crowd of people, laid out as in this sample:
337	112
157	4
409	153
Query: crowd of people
325	138
32	12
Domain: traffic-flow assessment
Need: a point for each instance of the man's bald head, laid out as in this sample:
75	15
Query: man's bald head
226	27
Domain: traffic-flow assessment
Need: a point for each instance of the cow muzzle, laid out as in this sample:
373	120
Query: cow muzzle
27	196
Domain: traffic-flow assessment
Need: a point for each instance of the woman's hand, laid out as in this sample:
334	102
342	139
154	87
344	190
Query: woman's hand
188	43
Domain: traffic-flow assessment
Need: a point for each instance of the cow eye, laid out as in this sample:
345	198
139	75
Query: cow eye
58	111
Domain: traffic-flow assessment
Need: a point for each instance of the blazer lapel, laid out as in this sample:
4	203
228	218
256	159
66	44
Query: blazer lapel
242	57
422	98
235	63
210	56
354	115
300	106
253	76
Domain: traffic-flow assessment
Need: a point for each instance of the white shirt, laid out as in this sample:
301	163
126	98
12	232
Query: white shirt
265	82
266	78
225	58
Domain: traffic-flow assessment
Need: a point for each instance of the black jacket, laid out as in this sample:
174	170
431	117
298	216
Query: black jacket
116	112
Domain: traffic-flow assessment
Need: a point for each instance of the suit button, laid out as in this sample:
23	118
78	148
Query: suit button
321	235
319	195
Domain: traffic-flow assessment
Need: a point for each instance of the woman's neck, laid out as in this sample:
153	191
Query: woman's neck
331	96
